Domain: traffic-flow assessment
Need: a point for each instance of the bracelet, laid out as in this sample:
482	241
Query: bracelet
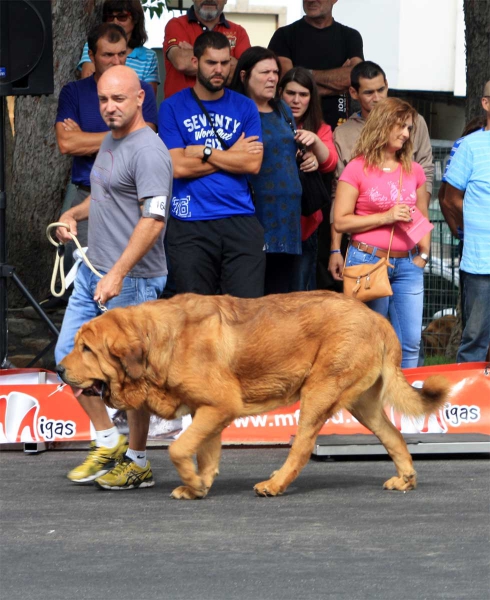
335	252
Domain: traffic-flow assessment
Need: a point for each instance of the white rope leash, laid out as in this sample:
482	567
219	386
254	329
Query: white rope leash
59	261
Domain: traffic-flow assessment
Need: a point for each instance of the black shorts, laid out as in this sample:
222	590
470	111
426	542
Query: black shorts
219	256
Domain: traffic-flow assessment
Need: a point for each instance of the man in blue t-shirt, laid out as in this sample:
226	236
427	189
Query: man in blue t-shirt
215	242
79	127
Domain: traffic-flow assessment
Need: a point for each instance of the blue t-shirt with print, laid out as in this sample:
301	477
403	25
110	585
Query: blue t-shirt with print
181	123
79	101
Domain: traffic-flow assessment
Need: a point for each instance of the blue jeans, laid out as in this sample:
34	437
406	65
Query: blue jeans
404	309
81	306
476	310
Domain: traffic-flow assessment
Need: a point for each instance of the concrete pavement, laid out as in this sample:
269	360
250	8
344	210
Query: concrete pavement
335	534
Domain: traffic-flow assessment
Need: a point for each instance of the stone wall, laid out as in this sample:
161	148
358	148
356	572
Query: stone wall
28	335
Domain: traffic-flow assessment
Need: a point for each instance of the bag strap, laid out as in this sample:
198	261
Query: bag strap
286	116
397	201
392	229
223	143
205	112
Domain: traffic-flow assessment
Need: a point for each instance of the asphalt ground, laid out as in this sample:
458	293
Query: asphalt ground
335	534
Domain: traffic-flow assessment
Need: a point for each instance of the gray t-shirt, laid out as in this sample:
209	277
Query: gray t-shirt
126	171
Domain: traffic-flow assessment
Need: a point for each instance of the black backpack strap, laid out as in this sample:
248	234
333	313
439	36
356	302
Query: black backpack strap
205	112
282	110
223	143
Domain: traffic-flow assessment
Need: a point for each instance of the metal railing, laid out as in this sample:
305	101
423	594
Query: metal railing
441	290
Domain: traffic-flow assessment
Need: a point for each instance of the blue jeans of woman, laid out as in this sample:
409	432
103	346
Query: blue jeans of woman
404	309
81	306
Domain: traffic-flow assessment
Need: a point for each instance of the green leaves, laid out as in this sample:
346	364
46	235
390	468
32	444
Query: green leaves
154	7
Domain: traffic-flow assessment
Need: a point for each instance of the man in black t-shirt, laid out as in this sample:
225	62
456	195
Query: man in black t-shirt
317	42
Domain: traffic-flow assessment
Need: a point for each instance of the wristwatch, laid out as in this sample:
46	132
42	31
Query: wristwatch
424	256
206	153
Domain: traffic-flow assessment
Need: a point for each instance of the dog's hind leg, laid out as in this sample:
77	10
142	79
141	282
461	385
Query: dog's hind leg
313	415
370	412
200	438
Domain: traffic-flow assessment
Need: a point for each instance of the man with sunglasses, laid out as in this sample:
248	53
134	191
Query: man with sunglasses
129	15
79	127
182	32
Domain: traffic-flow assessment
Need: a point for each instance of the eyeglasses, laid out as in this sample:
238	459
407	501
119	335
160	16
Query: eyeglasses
122	17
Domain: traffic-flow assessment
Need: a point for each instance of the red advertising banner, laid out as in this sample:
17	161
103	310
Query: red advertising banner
47	412
39	412
466	411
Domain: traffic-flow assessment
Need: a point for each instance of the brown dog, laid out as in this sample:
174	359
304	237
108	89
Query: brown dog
220	358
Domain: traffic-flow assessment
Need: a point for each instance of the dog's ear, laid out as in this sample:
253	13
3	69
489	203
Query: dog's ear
132	356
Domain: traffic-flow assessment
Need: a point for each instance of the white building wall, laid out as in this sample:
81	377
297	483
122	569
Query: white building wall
378	23
419	43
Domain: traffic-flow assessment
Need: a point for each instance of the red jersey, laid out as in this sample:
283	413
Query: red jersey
186	29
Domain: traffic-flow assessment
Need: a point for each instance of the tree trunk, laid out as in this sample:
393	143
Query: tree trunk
477	20
39	175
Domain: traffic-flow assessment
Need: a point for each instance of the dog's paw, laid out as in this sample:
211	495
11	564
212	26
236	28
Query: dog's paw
402	484
267	488
184	492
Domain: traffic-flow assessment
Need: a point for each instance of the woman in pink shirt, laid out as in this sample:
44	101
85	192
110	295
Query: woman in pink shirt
376	192
298	89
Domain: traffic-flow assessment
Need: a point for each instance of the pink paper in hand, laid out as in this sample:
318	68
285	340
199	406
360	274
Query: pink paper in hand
417	227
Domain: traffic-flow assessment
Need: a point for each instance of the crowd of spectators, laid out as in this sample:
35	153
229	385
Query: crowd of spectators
236	127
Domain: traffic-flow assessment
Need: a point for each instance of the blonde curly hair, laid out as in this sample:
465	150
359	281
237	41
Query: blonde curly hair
386	115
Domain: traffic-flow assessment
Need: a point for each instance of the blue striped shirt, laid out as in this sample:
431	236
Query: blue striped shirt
453	152
143	60
469	171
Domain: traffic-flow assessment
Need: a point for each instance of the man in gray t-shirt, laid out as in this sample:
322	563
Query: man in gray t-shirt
131	183
136	166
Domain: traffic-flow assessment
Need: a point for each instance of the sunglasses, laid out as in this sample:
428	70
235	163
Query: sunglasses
122	17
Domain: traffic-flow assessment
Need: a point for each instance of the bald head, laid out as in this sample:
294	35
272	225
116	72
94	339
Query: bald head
121	100
120	76
486	89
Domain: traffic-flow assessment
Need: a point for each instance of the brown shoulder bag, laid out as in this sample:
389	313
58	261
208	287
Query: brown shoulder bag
369	282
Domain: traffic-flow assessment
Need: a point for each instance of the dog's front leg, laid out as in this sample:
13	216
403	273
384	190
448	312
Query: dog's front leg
208	457
203	437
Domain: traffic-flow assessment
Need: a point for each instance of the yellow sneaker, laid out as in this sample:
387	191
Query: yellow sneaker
99	461
126	475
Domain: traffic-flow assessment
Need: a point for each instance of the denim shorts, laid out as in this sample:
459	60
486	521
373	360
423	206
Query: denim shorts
404	309
81	306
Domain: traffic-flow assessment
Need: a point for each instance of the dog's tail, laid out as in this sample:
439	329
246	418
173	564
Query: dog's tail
406	399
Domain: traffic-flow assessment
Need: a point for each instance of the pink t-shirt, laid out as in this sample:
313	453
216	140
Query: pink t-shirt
378	192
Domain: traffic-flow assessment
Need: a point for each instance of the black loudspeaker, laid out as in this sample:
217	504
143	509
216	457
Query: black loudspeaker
26	48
